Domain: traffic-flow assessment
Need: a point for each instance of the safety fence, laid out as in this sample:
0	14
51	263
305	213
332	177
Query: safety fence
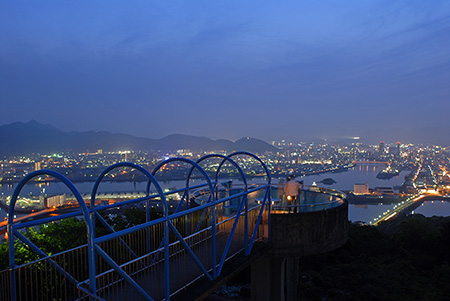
310	198
152	259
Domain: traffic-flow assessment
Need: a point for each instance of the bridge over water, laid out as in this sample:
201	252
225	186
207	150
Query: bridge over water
171	252
407	206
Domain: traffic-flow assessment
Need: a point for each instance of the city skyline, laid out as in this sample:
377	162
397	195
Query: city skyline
228	69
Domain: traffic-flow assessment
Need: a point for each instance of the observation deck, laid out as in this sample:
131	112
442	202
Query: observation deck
169	251
317	224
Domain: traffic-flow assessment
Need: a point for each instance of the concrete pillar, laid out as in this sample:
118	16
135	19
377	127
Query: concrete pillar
274	278
291	278
260	279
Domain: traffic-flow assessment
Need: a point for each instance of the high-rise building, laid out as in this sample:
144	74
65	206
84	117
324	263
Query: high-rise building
37	165
56	201
392	150
381	147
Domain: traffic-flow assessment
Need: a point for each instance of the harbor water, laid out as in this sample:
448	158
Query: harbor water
344	181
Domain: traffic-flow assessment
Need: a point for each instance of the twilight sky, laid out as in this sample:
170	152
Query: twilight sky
226	69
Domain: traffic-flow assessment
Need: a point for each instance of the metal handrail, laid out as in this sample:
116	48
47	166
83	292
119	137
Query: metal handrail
167	221
308	205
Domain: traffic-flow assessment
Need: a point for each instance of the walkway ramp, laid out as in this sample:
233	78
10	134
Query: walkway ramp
152	260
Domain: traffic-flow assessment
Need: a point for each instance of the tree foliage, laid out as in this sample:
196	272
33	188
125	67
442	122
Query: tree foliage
406	259
51	238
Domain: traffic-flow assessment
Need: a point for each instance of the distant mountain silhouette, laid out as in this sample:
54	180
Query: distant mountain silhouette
20	138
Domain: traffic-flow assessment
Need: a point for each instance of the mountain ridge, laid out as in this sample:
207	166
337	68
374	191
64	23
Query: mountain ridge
20	138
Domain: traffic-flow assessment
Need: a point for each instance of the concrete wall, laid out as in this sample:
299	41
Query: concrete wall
309	233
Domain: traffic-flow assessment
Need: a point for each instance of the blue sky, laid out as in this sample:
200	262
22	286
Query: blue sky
226	69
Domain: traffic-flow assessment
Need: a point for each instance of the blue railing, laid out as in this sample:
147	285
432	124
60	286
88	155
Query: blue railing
151	260
310	198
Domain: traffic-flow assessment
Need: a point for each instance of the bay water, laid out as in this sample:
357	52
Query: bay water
361	173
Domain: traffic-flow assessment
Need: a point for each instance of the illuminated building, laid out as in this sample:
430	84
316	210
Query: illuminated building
361	188
381	147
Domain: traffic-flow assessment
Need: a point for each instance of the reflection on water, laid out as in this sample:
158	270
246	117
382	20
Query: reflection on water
362	173
431	208
366	213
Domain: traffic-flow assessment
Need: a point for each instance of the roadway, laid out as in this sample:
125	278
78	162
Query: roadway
371	162
41	214
30	214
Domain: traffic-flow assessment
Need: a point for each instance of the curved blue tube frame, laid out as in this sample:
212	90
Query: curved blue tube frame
90	214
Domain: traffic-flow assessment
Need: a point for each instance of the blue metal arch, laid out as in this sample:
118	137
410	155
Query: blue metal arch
244	202
194	165
151	179
269	180
93	243
225	158
213	219
267	196
12	232
58	176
